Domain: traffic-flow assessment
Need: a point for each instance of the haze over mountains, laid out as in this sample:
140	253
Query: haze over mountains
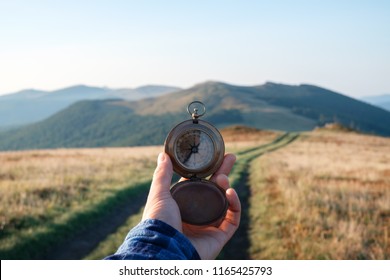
118	122
382	100
30	106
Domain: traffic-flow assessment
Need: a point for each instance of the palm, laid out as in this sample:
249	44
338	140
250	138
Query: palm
208	241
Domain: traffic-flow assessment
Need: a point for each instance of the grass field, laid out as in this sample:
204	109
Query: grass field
46	195
317	195
326	196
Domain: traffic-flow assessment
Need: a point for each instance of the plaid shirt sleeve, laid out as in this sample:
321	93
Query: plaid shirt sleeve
155	240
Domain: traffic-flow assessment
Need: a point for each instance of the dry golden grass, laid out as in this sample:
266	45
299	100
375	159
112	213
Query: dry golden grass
326	196
240	137
41	186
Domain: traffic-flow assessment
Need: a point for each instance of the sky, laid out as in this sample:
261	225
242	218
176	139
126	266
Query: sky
340	45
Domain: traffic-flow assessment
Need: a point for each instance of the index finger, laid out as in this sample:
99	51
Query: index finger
226	165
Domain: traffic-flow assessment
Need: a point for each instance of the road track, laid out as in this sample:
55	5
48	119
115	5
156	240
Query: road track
238	247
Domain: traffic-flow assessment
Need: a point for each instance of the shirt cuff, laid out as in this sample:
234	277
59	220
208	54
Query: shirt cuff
155	240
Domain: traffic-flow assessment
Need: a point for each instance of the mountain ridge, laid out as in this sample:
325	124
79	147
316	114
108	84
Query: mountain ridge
118	122
29	106
271	106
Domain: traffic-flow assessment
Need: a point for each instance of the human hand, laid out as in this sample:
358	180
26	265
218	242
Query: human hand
208	240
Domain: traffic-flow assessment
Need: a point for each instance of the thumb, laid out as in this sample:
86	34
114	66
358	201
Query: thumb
162	175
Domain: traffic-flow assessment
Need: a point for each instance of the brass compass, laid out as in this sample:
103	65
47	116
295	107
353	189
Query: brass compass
196	149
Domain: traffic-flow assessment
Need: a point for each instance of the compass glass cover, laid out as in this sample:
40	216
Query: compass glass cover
194	149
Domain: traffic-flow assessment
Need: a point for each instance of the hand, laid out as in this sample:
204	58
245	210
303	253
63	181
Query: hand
207	240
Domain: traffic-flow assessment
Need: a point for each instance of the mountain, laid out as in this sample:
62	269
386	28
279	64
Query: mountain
118	122
275	106
143	92
382	101
30	106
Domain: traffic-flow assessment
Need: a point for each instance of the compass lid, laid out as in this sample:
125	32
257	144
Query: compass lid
200	202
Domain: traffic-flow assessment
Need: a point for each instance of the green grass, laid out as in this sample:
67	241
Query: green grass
112	242
38	242
50	198
238	246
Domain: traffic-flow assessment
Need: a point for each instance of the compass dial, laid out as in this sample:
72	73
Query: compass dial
194	149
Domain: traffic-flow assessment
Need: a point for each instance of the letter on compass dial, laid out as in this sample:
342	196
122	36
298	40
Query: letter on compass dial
195	149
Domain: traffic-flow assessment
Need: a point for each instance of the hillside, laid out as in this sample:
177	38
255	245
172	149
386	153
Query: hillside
146	122
88	124
276	106
30	106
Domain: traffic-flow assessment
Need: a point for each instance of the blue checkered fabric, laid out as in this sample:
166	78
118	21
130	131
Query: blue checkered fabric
155	240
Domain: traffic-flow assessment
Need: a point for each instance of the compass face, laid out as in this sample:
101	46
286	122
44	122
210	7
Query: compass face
194	149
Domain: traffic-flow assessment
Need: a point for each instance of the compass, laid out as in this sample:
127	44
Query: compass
197	150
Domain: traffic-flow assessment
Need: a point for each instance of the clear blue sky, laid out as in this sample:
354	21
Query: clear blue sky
340	45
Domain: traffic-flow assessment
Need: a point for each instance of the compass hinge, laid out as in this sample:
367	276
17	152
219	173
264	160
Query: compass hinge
194	178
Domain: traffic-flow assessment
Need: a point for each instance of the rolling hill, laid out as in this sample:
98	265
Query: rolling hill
30	106
117	122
